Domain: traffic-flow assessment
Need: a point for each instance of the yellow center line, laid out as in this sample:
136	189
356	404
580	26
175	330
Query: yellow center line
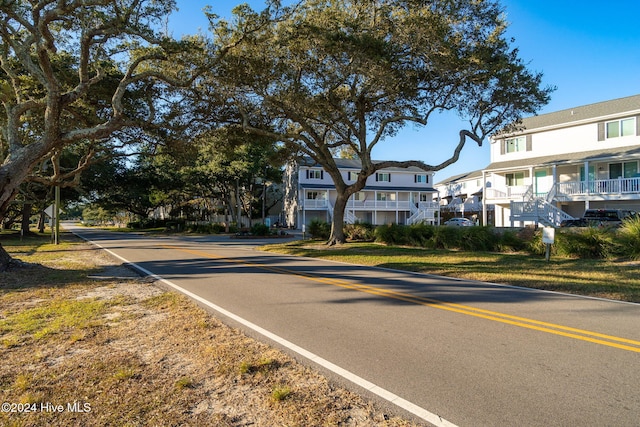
565	331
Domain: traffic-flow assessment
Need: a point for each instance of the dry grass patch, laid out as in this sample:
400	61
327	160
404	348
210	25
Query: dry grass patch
126	353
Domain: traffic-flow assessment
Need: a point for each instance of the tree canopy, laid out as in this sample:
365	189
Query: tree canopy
344	75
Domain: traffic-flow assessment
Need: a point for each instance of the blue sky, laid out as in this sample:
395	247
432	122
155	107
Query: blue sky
588	50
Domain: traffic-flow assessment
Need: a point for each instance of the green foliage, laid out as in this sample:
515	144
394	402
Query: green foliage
392	234
359	232
319	229
446	237
478	239
510	241
590	242
421	235
630	238
260	229
280	392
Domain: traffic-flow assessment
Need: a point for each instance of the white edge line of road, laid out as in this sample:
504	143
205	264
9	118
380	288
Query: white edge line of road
412	408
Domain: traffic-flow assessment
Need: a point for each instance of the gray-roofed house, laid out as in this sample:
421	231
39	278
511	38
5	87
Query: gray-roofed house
392	195
557	165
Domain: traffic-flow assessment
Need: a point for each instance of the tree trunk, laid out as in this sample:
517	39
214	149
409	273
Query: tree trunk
41	222
5	259
26	218
337	223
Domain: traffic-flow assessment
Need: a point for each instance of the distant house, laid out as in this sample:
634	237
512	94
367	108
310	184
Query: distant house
557	165
462	194
393	195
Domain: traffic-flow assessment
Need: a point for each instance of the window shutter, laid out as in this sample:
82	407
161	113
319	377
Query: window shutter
321	174
601	131
376	176
389	177
502	146
529	143
637	125
415	178
307	173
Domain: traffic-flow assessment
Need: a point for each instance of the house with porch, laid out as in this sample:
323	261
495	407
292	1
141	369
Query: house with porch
557	165
462	195
392	195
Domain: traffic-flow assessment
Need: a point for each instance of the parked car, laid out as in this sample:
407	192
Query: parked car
605	217
579	222
459	222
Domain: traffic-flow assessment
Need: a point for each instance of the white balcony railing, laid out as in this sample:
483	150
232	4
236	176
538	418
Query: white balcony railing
600	186
320	204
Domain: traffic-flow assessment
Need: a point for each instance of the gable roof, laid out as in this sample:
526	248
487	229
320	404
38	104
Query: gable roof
461	177
629	104
354	164
622	153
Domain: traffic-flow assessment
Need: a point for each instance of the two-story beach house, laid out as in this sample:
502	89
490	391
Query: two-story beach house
462	194
557	165
393	195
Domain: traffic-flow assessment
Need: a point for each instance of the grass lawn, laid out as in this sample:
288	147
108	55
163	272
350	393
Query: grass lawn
618	280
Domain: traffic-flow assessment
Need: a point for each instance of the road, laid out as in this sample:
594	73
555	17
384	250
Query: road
475	354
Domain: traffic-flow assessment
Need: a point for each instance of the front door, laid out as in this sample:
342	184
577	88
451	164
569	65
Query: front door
543	183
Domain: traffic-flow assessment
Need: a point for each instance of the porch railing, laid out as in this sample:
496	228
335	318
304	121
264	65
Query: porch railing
599	186
538	210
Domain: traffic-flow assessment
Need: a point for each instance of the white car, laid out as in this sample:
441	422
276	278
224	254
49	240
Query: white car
459	222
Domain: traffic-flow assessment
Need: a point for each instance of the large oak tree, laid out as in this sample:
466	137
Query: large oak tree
86	72
348	74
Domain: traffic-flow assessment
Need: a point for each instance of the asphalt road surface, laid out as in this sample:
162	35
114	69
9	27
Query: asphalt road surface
452	352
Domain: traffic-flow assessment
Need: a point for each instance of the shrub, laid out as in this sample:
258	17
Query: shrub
590	242
510	241
421	235
446	237
359	232
630	238
392	234
260	229
319	229
478	239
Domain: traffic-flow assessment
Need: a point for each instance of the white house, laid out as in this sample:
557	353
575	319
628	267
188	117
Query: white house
462	194
393	195
557	165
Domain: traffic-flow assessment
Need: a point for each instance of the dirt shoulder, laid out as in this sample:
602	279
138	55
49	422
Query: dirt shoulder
109	348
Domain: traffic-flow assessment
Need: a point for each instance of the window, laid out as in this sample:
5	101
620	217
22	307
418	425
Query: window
316	195
514	145
315	174
618	128
352	176
383	177
359	196
623	170
386	197
422	178
515	179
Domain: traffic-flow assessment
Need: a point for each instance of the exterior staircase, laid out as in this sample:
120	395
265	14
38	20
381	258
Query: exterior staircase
538	209
424	212
349	216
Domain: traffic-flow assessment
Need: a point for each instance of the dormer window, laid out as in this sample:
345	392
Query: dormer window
383	177
315	174
421	178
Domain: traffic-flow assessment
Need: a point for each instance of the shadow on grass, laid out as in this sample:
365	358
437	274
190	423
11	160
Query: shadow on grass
40	264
